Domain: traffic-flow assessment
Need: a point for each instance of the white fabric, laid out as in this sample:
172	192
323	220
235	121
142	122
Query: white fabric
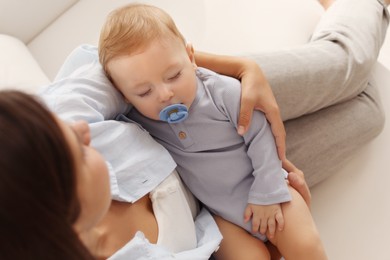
83	92
208	237
171	209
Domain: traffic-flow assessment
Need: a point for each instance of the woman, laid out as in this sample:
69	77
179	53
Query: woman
41	205
54	193
28	243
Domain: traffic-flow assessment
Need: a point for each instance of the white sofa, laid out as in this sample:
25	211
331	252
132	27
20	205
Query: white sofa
351	208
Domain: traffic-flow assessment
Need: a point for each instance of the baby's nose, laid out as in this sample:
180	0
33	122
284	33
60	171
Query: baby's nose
165	93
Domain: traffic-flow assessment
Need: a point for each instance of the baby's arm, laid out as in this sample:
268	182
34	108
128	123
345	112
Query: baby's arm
268	186
265	218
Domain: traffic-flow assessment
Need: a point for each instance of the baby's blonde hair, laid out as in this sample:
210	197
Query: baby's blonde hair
132	27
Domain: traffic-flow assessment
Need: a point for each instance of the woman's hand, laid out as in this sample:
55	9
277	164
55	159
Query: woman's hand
257	94
296	180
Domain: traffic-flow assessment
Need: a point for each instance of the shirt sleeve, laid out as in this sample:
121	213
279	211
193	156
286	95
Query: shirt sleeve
269	186
137	163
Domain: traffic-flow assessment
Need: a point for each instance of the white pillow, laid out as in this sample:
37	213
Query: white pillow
18	68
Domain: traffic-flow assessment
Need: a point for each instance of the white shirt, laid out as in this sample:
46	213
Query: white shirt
137	163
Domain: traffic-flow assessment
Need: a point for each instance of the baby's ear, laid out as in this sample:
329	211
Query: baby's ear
191	53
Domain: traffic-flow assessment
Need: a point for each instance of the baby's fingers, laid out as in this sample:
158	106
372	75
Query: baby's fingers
271	227
256	224
247	214
280	220
263	226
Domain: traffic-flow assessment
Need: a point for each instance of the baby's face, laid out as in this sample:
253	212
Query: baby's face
160	75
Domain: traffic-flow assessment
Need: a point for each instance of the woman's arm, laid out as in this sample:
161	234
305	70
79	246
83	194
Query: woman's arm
256	93
254	81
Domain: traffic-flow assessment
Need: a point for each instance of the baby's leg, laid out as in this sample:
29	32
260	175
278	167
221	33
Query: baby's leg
300	238
237	243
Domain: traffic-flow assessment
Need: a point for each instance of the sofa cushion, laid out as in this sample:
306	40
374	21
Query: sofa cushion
25	19
18	68
219	26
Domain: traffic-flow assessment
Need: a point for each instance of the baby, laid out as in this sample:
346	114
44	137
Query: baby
193	112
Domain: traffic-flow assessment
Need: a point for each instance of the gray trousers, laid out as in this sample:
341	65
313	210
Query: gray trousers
329	105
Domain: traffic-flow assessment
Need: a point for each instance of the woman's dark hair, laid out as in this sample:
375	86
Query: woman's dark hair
38	199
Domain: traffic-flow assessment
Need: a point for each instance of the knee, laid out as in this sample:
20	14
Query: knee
374	115
242	254
259	255
310	245
377	123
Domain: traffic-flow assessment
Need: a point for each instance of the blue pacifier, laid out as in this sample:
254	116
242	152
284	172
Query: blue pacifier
174	113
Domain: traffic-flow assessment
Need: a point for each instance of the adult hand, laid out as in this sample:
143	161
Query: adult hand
296	179
257	94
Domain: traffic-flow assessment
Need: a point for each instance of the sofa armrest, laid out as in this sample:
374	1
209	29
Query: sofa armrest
18	68
25	19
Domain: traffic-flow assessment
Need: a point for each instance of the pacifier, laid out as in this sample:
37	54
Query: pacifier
174	113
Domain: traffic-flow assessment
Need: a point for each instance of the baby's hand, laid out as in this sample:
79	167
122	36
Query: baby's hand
265	218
